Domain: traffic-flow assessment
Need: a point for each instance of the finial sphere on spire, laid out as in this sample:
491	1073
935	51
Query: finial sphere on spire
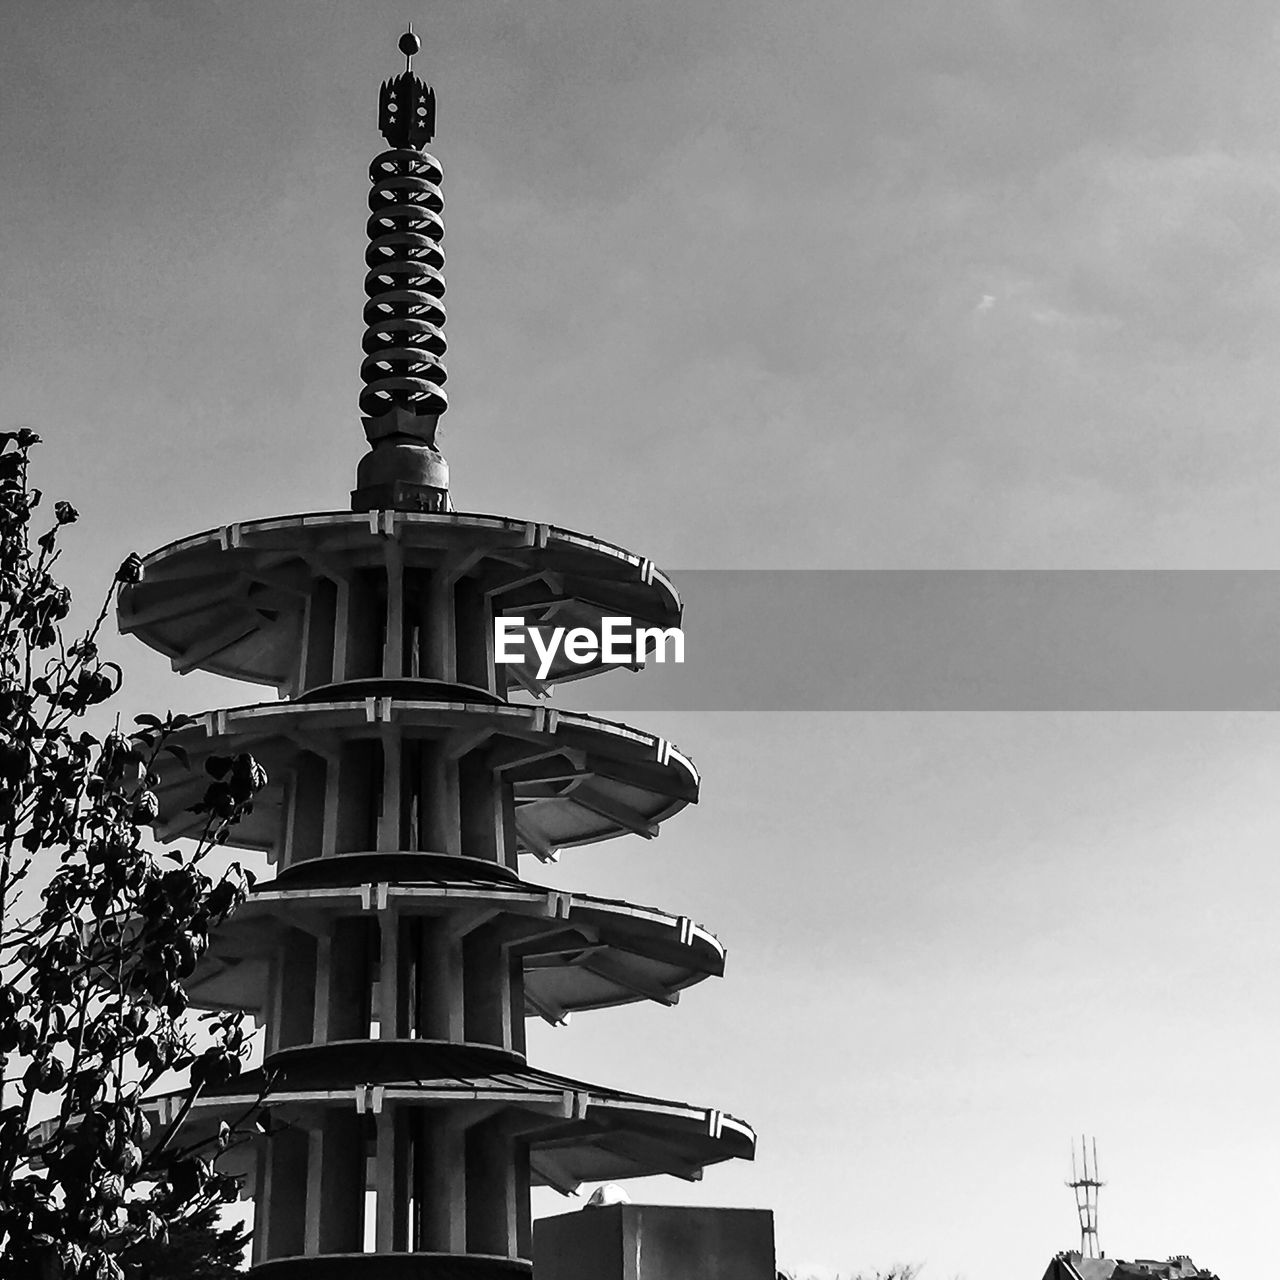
410	44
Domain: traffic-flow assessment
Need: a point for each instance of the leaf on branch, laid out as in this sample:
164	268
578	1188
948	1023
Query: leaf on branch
130	570
218	766
146	809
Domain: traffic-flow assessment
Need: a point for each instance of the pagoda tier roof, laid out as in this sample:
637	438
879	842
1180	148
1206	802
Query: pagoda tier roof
577	1132
579	952
231	600
577	779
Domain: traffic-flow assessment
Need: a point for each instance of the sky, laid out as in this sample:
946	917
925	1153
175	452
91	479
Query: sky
738	285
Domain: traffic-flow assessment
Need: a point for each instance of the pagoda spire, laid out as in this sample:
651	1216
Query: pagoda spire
406	106
404	341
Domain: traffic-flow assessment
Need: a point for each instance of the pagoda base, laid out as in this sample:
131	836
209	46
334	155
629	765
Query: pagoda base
394	1266
400	495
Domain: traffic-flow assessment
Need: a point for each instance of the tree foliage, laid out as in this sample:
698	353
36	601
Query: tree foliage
97	933
197	1249
899	1271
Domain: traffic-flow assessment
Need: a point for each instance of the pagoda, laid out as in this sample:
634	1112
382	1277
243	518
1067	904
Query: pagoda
396	953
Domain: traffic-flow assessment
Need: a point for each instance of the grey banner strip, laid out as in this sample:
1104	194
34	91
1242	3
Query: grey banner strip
963	640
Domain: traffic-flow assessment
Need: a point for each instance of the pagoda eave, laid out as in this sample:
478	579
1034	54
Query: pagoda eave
576	1132
579	952
233	600
576	779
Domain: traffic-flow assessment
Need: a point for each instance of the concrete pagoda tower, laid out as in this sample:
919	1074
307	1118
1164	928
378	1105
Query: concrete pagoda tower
397	952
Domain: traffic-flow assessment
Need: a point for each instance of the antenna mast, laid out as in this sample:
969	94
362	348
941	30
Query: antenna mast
1084	1182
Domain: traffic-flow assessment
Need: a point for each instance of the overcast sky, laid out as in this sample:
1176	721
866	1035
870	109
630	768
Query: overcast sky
896	284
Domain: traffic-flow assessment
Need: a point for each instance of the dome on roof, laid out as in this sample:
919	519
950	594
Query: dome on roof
606	1195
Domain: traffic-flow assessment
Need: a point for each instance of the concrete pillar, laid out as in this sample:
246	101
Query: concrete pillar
344	981
395	1166
515	989
390	1010
408	943
480	808
439	1182
393	655
319	623
412	620
283	1202
474	629
308	802
391	1180
437	794
410	798
261	1198
437	981
510	843
335	1217
284	826
361	625
359	792
293	991
492	1216
438	636
487	983
523	1186
391	833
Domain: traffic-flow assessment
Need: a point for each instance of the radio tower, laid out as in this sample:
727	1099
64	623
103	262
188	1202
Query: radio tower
1084	1182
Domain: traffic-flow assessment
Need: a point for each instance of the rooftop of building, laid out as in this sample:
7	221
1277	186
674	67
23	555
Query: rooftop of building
1074	1266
